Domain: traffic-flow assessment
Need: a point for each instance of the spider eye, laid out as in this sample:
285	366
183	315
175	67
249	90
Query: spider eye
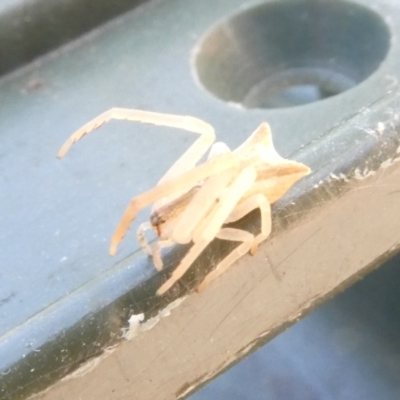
156	219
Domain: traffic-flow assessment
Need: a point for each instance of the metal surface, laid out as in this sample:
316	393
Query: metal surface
29	28
346	349
64	300
283	54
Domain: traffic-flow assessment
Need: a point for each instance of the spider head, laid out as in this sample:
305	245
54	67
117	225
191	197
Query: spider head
162	225
167	211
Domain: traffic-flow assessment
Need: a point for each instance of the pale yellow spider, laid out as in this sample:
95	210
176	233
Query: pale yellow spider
192	203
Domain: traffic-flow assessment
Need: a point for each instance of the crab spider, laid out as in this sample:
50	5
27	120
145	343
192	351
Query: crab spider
192	203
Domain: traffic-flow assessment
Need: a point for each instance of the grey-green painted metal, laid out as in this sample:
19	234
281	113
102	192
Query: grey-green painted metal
63	298
29	28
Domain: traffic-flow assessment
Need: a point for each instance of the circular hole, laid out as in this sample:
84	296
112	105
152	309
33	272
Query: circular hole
288	53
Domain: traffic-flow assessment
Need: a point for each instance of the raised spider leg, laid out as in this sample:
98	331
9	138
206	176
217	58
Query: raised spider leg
182	182
250	242
191	124
207	230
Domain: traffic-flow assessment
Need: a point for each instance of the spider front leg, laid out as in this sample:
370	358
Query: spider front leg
141	237
158	246
155	250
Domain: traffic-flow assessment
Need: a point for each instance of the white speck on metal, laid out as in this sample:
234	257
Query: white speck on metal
137	326
381	128
360	176
386	163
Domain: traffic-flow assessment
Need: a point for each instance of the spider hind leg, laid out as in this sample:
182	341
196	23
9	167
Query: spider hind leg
249	242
